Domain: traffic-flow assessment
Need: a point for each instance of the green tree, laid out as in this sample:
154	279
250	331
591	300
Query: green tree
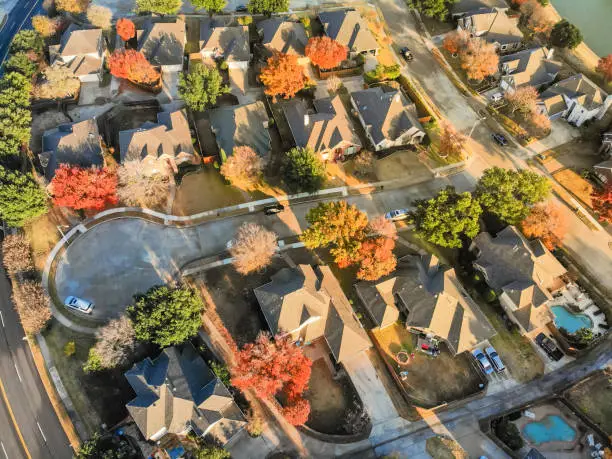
166	316
159	6
303	170
27	40
201	87
21	63
94	448
432	8
212	452
21	198
565	35
510	194
93	363
268	7
220	371
212	6
15	115
442	220
584	335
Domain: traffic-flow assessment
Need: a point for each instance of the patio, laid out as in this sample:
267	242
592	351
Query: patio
573	295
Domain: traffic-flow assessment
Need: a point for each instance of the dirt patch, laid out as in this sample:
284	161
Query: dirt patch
43	234
444	448
404	165
576	185
42	122
594	398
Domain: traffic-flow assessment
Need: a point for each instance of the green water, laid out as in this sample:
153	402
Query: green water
593	18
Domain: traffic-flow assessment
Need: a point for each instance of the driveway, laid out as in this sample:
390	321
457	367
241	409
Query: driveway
561	133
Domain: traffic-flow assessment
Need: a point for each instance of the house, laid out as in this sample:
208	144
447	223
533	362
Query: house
463	7
348	28
326	130
81	50
239	125
281	36
523	274
388	118
76	144
163	43
494	26
577	99
432	300
533	67
160	146
603	170
309	304
177	393
219	42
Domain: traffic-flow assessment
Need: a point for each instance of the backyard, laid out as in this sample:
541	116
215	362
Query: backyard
593	396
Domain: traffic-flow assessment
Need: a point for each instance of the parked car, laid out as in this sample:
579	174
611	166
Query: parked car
79	304
397	214
273	209
549	347
484	363
495	359
241	9
500	139
406	53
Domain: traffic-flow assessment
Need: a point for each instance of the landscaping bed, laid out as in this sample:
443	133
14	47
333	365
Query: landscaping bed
593	396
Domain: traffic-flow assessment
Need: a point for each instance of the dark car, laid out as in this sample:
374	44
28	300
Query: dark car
273	209
500	139
241	9
549	347
406	53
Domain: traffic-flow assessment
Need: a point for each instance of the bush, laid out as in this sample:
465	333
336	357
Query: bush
70	349
245	20
509	434
383	73
220	371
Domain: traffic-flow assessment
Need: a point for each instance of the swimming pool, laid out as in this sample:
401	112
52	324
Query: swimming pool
572	322
550	428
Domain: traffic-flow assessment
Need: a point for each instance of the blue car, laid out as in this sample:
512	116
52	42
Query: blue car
484	363
495	359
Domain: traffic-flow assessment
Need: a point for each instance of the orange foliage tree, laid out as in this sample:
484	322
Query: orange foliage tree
539	121
455	41
377	258
546	222
283	76
604	66
84	188
536	17
602	202
452	142
126	29
325	52
479	59
132	65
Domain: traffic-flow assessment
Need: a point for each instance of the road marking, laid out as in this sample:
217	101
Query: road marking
4	449
41	432
10	410
17	370
2	319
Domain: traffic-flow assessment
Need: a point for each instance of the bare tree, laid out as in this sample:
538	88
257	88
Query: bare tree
58	82
479	59
382	226
99	16
32	305
452	142
244	168
16	253
522	99
115	342
138	189
252	248
334	84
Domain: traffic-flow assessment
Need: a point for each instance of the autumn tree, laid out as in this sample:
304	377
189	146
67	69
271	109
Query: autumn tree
455	41
244	168
201	87
539	121
283	76
296	411
99	16
158	6
115	343
382	226
536	18
604	66
132	65
58	82
125	29
479	59
522	99
212	6
137	188
376	258
602	202
252	248
452	143
268	7
547	223
325	52
21	198
16	254
32	305
565	35
84	188
72	6
44	25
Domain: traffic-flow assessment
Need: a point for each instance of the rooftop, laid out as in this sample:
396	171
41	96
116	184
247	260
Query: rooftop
348	28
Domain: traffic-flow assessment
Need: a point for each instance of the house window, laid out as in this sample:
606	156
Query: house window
504	47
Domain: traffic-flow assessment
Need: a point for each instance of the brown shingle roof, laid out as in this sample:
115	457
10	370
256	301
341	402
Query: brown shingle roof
348	28
283	36
231	43
530	66
163	43
76	41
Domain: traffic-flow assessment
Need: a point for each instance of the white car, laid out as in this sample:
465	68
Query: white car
78	304
397	214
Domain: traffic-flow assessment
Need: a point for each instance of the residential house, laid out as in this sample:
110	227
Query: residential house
388	118
523	274
279	35
494	26
76	144
431	299
160	146
348	28
239	125
162	41
309	304
532	67
326	130
219	42
577	99
463	7
178	393
603	170
81	50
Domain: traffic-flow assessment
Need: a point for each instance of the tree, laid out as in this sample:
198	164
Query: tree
132	65
452	142
604	66
212	452
539	121
455	41
166	316
602	202
303	170
96	448
536	18
253	248
479	59
16	254
382	226
100	16
72	6
32	305
509	194
244	168
545	222
432	8
27	40
125	29
325	52
15	114
337	225
221	371
565	35
268	7
201	87
84	188
21	198
297	411
158	6
44	25
114	345
364	163
522	99
137	188
212	6
377	258
58	83
444	219
283	76
21	63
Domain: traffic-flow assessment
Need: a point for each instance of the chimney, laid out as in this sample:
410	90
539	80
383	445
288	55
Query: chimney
306	119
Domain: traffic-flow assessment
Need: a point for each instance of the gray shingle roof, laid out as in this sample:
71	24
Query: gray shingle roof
283	36
348	28
78	41
231	43
530	66
163	43
578	88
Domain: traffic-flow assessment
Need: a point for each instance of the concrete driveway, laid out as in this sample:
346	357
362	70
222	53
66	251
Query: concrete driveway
561	133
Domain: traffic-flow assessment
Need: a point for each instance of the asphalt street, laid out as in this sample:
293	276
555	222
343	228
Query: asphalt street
16	19
42	433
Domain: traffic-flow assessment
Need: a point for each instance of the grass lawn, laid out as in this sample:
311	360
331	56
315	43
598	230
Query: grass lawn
402	164
433	149
576	185
594	398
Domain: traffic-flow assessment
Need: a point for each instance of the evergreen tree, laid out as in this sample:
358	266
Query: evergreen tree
21	198
303	170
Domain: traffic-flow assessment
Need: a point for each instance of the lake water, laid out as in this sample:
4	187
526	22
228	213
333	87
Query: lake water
593	18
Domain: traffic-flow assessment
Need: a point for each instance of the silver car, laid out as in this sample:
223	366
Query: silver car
398	214
78	304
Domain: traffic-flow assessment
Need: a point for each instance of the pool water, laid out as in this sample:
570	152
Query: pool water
572	322
550	428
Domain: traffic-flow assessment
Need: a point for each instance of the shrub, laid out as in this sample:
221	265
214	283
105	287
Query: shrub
32	305
383	73
245	20
303	170
253	248
70	349
16	254
509	434
126	29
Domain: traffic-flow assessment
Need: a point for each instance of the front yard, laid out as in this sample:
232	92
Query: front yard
594	398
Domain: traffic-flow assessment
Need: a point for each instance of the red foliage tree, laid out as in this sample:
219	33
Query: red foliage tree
325	52
84	188
377	258
604	66
283	76
602	202
132	65
297	411
126	29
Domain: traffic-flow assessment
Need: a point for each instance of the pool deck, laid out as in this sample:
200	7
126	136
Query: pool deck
574	296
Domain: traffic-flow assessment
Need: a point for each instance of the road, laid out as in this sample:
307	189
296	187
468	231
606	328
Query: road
16	19
42	432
